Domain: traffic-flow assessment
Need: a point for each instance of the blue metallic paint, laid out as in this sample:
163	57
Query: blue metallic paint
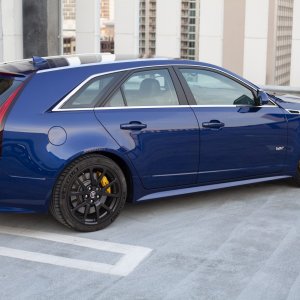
169	144
165	159
245	146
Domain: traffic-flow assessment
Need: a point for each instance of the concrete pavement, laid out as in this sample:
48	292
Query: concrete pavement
240	243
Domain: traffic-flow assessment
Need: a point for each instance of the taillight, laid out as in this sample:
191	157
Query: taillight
4	109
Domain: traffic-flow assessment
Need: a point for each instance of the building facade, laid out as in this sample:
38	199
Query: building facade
69	27
281	14
147	28
255	43
105	30
190	26
107	24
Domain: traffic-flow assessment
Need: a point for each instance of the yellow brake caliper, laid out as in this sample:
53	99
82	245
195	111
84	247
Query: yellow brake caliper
104	181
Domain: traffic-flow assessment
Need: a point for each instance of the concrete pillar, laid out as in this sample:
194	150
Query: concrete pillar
168	28
88	26
11	36
211	31
256	40
127	27
42	27
295	66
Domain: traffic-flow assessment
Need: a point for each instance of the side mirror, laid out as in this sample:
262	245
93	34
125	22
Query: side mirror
262	98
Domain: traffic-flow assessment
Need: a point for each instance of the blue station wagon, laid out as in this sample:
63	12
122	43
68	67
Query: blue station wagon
81	135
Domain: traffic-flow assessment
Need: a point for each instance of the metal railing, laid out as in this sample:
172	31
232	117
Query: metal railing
282	90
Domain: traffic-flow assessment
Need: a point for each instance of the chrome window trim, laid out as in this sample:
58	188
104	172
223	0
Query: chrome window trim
66	98
165	106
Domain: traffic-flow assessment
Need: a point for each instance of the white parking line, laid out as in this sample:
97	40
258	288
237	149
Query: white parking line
132	255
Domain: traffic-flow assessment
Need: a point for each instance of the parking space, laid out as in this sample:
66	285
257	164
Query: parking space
239	243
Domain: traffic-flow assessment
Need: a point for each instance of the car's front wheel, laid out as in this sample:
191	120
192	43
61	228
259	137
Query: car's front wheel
89	194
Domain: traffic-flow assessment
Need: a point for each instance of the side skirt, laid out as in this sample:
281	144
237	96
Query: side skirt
210	187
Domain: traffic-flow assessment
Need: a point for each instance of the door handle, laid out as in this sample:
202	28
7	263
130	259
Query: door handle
133	125
215	124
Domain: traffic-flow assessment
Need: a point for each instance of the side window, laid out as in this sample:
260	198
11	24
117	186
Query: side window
90	93
146	88
116	100
210	88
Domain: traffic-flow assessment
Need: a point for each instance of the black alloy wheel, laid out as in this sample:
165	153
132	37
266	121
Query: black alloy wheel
89	194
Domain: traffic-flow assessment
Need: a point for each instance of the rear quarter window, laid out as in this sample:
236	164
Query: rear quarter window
91	92
7	86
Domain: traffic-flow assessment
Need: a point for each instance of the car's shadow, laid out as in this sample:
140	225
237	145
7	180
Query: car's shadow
156	209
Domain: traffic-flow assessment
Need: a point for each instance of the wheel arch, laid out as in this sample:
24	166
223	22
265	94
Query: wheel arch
124	167
120	161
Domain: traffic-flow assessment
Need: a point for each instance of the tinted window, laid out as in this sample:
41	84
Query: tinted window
147	88
7	86
210	88
90	93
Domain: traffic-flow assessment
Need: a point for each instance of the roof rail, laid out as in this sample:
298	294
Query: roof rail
50	62
41	63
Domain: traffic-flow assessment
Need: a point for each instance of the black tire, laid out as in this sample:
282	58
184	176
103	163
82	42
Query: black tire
296	178
89	194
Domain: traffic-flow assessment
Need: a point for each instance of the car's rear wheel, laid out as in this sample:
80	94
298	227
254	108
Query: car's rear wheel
89	194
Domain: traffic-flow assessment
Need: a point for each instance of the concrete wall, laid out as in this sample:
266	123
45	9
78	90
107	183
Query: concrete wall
168	28
11	33
211	31
295	67
87	26
127	27
42	27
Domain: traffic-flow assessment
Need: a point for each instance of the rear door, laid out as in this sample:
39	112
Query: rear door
148	116
238	139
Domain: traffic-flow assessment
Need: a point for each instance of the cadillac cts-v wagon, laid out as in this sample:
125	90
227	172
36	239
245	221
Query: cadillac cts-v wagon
80	136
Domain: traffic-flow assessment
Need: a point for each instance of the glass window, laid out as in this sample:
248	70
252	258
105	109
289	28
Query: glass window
90	93
211	88
191	52
192	28
116	100
192	36
192	44
150	88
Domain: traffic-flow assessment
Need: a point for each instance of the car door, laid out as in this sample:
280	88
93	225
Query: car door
147	114
238	138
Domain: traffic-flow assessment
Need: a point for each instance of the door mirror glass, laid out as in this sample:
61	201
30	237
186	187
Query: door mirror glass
262	98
